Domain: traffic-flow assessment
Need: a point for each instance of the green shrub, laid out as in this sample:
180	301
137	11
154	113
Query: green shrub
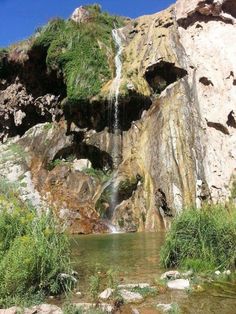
33	252
201	239
146	291
102	279
98	173
95	285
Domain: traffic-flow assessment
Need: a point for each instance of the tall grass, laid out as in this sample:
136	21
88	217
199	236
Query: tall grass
81	52
33	252
202	239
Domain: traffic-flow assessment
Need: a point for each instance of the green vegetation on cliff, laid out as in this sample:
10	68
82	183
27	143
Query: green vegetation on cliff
80	51
202	239
33	253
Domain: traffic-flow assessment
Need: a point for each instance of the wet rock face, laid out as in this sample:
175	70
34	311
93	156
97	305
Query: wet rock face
182	142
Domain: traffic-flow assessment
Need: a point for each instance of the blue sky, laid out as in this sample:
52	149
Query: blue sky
19	18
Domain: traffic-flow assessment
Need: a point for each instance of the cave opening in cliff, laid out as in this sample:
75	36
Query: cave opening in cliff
162	74
131	109
99	115
34	74
32	116
100	160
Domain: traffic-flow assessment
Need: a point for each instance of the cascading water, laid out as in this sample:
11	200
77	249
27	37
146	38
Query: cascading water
114	97
114	101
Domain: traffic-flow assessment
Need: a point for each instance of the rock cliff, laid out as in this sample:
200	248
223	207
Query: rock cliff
177	115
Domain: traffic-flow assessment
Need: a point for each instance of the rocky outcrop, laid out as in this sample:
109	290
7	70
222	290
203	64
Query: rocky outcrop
80	15
177	137
188	13
49	182
180	145
19	110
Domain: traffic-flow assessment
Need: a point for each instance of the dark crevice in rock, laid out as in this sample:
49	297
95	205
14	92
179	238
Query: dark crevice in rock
231	120
162	74
99	159
33	74
229	7
200	18
205	81
162	203
219	127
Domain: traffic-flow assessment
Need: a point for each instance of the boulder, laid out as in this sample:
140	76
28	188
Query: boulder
80	15
81	164
130	297
178	284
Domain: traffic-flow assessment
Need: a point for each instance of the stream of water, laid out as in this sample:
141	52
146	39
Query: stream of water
136	257
114	96
114	101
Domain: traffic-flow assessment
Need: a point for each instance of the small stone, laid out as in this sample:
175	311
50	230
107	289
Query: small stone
78	293
130	297
106	294
130	86
178	284
165	307
199	288
172	274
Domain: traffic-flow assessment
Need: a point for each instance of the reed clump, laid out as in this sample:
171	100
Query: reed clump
202	239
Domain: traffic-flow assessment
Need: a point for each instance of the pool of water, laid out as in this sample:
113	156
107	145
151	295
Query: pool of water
136	257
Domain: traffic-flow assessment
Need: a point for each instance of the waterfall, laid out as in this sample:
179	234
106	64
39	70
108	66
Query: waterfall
114	101
114	97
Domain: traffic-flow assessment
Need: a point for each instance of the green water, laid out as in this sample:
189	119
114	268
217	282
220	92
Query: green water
136	256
